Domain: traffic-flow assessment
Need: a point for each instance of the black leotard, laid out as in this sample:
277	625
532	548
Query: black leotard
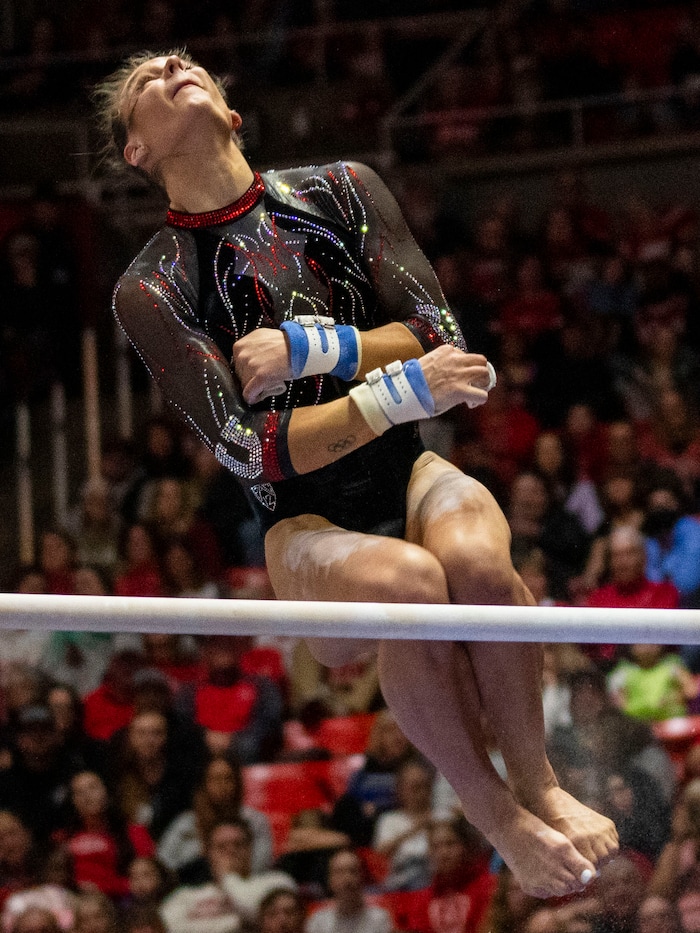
328	240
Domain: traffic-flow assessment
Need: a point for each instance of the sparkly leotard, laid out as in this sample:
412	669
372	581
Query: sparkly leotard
328	240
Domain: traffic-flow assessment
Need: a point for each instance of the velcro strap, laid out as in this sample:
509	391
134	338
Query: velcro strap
396	396
317	346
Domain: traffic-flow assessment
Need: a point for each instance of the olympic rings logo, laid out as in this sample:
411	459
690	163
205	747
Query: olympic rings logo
339	446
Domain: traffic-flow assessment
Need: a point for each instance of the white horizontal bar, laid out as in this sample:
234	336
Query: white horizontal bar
348	620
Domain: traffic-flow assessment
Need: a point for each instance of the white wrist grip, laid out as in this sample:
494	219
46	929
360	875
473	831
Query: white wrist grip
400	395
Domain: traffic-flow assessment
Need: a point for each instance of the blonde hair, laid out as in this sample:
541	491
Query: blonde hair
108	99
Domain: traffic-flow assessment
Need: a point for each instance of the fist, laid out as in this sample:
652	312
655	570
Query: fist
455	377
261	362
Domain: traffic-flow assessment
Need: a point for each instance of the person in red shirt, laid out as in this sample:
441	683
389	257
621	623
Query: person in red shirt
533	308
628	586
462	886
101	843
239	711
111	706
139	573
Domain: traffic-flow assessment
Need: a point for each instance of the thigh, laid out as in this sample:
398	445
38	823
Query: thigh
309	558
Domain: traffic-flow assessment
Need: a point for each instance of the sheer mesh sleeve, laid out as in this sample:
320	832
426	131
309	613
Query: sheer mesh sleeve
406	286
155	302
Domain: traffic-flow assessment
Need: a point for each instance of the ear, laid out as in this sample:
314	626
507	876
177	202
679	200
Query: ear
236	120
135	152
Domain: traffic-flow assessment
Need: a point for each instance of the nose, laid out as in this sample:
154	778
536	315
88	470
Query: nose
173	63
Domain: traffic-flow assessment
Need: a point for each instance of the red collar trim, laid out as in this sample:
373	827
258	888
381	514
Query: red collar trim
224	214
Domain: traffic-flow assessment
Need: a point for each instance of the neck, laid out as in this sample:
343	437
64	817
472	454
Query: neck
195	186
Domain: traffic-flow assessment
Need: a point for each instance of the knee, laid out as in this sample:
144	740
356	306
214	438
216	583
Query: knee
413	575
480	575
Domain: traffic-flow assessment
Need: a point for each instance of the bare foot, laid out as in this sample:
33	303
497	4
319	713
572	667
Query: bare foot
543	861
593	834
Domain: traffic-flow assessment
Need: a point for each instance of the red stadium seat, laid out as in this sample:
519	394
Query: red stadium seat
287	787
339	770
345	735
678	735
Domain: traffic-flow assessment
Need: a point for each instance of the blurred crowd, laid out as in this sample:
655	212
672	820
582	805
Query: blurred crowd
215	784
526	56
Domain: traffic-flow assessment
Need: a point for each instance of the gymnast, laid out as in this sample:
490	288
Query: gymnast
293	323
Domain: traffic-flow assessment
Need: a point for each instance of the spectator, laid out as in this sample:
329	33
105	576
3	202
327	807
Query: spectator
401	834
498	439
239	712
95	913
94	526
510	907
224	881
371	790
27	341
57	561
143	919
652	683
36	920
621	742
67	709
80	658
629	587
153	693
554	460
680	857
18	860
149	882
173	518
621	505
111	706
308	850
218	797
537	521
153	784
688	903
175	656
224	507
673	539
633	800
58	902
183	576
139	572
281	911
161	456
534	308
602	738
36	785
657	915
671	440
660	361
341	691
573	368
348	909
620	890
461	887
101	843
22	685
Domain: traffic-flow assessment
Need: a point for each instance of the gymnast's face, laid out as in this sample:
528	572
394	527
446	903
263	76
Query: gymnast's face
172	108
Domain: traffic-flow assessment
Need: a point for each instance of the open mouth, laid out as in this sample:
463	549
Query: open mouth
185	84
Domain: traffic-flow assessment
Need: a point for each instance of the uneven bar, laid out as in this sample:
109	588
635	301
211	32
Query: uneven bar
349	620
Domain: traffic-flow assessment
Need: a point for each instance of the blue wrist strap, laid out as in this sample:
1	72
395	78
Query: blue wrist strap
345	339
298	346
347	366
